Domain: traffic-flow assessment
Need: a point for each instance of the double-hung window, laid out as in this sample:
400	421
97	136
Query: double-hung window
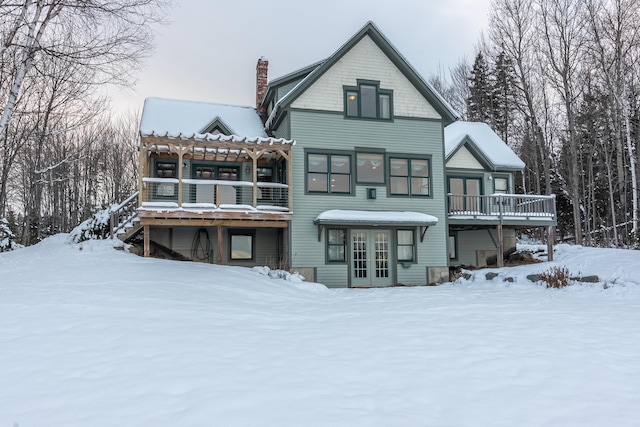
409	177
328	173
368	101
406	245
336	245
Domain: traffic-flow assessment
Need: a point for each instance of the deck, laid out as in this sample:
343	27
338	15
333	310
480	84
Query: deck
516	210
168	201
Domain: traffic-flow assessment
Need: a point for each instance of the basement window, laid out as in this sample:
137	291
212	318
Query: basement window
241	245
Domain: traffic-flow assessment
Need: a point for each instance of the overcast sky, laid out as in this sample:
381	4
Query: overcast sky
209	49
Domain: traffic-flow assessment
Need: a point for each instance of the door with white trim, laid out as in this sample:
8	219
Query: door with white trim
370	258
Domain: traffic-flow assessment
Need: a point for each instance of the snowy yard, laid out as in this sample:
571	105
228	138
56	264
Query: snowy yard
90	336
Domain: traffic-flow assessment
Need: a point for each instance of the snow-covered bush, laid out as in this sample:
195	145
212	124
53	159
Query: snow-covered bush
94	228
7	238
279	274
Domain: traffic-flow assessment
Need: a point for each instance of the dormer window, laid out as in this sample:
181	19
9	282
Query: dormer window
368	101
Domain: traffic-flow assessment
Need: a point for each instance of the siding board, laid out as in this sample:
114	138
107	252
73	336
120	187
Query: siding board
319	130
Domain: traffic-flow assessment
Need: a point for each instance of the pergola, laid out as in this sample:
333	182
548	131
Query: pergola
218	148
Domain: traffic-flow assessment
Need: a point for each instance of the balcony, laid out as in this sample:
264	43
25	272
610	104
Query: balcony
214	195
178	200
507	209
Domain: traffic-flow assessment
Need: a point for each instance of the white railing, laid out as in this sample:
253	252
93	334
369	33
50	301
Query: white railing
214	194
502	205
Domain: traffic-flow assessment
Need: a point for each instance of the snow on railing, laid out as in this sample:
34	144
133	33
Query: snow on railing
123	213
214	194
502	205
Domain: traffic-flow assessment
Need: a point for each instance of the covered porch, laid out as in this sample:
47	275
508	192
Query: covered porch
214	180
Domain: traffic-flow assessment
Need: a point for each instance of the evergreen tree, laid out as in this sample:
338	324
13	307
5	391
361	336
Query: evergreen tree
503	95
479	103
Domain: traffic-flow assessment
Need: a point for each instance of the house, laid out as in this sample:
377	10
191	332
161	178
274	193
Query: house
352	171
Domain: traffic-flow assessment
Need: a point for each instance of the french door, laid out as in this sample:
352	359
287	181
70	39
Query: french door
370	258
466	192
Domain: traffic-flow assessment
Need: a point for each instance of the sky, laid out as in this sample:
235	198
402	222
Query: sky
208	50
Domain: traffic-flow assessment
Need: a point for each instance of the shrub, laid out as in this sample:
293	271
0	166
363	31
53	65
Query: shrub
95	228
556	277
7	238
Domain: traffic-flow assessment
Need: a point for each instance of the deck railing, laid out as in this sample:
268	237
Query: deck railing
502	205
214	194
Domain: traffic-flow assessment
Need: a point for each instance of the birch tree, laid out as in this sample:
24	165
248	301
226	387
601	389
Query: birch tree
615	40
104	41
564	40
512	27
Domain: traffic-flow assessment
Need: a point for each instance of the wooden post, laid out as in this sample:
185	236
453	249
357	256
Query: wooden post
220	245
550	238
180	153
142	172
147	241
287	155
285	244
500	255
255	180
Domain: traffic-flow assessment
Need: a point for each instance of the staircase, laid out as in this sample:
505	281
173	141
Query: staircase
124	221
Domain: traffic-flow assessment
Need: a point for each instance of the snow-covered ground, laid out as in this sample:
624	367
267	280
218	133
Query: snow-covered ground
91	336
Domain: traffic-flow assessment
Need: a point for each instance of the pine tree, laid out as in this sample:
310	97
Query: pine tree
503	95
479	104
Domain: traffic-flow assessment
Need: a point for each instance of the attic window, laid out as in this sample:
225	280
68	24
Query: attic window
368	101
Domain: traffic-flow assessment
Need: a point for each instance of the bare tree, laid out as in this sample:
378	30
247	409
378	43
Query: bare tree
564	39
615	40
54	54
512	27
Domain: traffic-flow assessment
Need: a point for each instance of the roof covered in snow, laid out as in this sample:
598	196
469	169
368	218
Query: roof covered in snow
161	115
341	216
484	142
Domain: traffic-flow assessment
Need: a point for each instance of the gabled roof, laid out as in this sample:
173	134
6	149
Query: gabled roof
435	99
161	115
217	124
483	142
302	72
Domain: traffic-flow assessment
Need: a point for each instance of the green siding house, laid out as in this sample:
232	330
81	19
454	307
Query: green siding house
352	171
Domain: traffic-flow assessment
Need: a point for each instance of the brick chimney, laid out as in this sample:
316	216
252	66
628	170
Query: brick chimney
262	69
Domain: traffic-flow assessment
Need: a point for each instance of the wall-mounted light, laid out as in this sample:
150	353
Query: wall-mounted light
247	169
371	193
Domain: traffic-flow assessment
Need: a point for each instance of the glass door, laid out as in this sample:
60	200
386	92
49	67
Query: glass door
370	263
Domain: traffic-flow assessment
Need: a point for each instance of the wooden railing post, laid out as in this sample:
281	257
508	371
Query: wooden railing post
500	257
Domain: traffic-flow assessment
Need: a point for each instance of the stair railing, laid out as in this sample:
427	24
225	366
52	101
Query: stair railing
123	213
